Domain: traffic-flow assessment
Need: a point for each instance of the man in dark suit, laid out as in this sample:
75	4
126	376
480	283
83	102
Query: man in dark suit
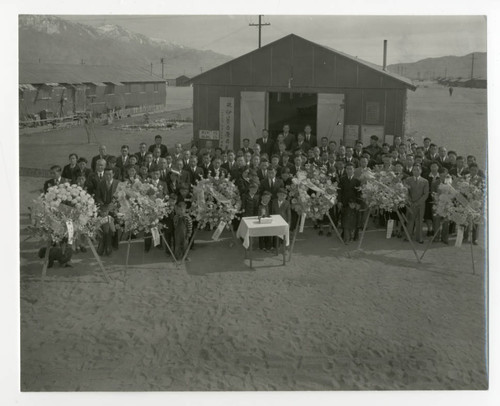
56	180
358	150
158	144
104	197
141	155
432	154
460	170
164	169
206	165
349	157
157	156
238	169
271	184
310	138
178	153
246	146
301	144
442	157
96	177
122	160
159	184
195	172
216	171
262	168
231	162
373	149
323	147
288	137
297	165
418	191
102	155
349	200
408	165
266	144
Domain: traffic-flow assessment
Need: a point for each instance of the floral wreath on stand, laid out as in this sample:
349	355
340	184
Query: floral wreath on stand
312	193
460	202
384	190
64	214
140	207
216	202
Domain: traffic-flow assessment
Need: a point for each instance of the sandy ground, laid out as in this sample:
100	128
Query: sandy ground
333	319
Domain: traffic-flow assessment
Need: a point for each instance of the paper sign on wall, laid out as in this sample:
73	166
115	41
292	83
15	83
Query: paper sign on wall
209	134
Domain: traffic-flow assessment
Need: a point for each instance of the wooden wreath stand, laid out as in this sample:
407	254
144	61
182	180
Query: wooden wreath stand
402	220
296	231
92	248
470	239
142	240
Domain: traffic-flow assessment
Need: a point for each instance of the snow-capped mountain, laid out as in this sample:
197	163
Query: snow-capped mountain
45	38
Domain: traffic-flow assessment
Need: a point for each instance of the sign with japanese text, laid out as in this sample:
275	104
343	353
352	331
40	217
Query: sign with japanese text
226	122
209	135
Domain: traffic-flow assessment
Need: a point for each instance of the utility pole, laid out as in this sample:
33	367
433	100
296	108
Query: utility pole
162	68
260	25
151	68
472	68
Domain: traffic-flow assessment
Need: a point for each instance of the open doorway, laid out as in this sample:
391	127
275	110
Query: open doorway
296	109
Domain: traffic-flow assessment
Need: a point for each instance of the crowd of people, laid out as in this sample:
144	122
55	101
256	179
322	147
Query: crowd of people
263	171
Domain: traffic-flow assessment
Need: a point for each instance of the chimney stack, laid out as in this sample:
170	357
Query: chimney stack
384	67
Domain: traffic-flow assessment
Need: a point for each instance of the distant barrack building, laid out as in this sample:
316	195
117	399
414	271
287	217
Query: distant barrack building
299	82
179	81
63	90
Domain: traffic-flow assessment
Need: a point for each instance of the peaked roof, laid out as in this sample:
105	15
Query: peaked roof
65	73
369	65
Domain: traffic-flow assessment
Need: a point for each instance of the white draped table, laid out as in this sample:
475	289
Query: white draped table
250	227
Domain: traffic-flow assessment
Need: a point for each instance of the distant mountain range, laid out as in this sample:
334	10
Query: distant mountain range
51	39
446	66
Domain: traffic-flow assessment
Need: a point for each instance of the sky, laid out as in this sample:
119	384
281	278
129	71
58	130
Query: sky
410	38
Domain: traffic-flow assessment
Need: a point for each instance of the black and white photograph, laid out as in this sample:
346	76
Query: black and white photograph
236	202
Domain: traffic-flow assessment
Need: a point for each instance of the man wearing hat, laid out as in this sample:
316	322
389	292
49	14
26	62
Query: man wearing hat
281	206
373	149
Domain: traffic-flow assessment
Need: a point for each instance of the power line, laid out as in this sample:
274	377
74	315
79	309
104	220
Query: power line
260	25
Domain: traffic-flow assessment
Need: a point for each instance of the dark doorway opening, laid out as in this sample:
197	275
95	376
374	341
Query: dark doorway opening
296	109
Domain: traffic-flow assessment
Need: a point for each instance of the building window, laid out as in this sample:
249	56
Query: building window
155	87
143	87
44	93
128	88
110	88
91	90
